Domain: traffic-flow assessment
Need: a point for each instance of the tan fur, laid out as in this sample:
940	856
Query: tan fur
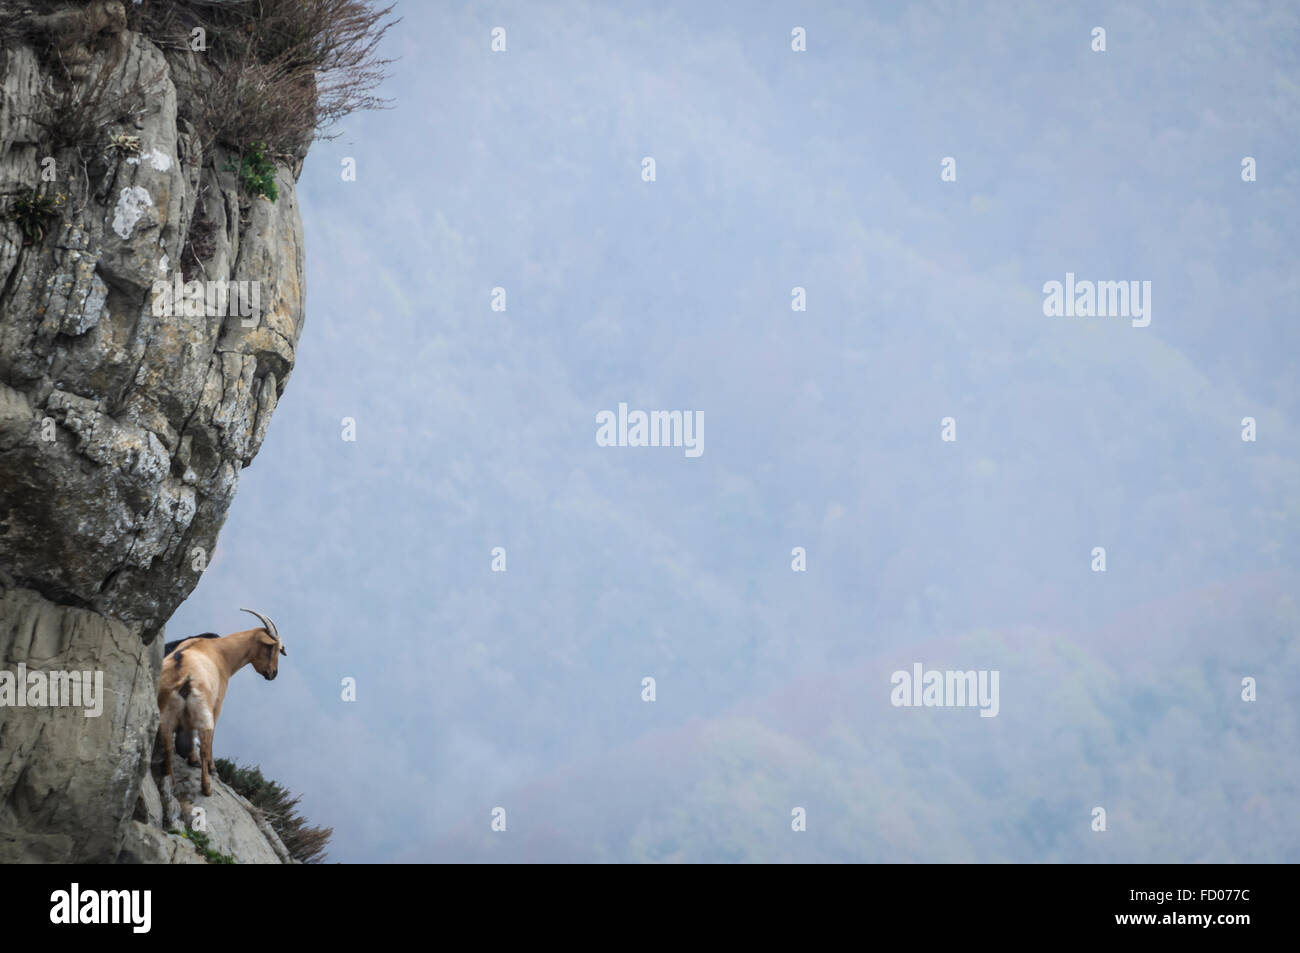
206	665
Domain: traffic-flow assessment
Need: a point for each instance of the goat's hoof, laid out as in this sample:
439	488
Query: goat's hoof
207	790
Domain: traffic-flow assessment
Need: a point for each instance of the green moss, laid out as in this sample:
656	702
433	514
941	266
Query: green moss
202	846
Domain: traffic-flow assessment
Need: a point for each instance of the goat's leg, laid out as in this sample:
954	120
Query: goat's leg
191	756
205	757
167	732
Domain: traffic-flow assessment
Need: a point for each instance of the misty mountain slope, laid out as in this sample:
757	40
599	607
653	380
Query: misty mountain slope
476	428
1194	773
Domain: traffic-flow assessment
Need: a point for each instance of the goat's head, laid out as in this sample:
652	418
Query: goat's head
266	660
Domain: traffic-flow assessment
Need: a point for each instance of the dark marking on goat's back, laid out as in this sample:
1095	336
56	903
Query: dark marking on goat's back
171	646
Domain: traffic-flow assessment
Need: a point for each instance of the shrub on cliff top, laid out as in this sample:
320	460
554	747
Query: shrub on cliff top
306	844
282	71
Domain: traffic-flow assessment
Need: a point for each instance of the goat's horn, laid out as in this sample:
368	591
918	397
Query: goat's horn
270	626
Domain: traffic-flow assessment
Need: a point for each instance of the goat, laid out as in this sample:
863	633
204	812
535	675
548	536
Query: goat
195	674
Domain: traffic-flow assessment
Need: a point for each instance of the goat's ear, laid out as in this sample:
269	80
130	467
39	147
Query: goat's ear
282	651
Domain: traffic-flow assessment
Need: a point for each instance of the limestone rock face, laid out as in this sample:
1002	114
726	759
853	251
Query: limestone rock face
122	432
233	826
69	781
123	425
149	845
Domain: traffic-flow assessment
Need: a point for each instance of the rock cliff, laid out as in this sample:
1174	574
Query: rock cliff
123	430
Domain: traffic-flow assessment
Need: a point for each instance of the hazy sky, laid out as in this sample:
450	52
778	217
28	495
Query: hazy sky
776	170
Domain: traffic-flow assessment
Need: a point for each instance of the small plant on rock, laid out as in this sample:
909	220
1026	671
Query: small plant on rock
33	212
125	145
202	846
256	172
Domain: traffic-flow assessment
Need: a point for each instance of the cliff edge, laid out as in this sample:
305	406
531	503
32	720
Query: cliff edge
123	425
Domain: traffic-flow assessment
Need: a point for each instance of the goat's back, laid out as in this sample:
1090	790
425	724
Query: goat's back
170	647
